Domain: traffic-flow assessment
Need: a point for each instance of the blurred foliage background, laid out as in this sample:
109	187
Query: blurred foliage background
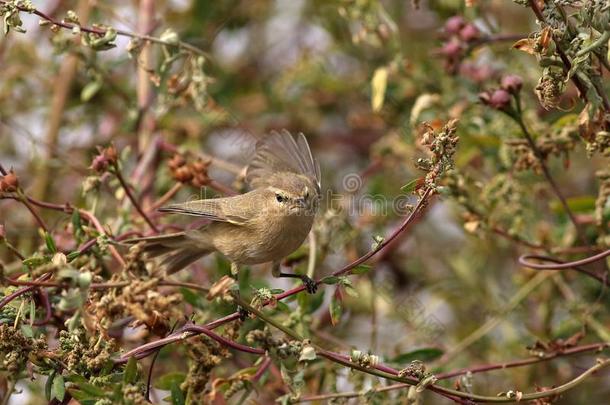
359	78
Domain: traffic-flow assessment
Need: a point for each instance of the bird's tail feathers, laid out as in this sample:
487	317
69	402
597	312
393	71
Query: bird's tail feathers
174	251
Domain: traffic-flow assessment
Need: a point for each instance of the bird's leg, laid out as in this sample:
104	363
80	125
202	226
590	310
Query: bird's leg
243	314
310	285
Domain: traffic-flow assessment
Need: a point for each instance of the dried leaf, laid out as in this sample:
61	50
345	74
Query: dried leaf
526	45
378	86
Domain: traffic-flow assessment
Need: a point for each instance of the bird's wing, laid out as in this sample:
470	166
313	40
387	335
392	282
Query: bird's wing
229	209
280	152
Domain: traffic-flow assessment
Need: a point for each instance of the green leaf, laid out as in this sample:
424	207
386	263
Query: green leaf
330	280
177	394
283	307
50	242
27	331
410	186
36	261
315	301
48	385
166	381
58	390
90	90
72	255
77	225
131	371
581	204
351	291
191	297
276	291
426	354
361	269
335	309
87	390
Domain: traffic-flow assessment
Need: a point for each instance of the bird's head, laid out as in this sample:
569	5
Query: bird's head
293	194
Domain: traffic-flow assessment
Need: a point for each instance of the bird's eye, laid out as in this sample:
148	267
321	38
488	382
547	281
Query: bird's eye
280	198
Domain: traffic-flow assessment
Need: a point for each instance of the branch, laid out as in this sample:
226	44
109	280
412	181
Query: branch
184	333
131	197
391	374
4	301
68	209
518	117
561	265
102	32
472	370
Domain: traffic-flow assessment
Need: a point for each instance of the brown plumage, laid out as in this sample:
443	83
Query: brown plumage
263	225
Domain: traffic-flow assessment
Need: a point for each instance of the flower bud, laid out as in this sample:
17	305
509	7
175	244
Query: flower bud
201	179
454	24
470	33
512	83
200	165
183	174
99	163
498	99
451	49
111	154
10	182
176	161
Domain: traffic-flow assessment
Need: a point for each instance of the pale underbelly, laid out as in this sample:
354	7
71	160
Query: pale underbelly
256	246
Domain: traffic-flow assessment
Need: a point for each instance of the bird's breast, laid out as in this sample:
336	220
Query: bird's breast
260	243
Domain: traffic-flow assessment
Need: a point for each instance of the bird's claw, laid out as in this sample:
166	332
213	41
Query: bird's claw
310	285
243	313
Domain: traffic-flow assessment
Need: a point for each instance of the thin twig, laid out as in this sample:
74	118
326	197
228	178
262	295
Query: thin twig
166	197
524	362
184	333
518	117
4	301
68	209
561	265
102	32
37	217
133	200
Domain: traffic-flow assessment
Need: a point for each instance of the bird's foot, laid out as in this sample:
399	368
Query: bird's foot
310	285
243	313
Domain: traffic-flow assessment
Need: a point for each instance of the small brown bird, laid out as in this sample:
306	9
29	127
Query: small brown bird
263	225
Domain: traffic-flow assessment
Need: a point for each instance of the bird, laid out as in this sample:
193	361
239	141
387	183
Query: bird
263	225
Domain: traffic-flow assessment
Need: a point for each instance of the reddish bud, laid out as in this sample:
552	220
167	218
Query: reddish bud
99	163
452	49
498	99
111	154
200	180
10	182
176	161
183	174
470	33
512	83
454	24
477	73
200	165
